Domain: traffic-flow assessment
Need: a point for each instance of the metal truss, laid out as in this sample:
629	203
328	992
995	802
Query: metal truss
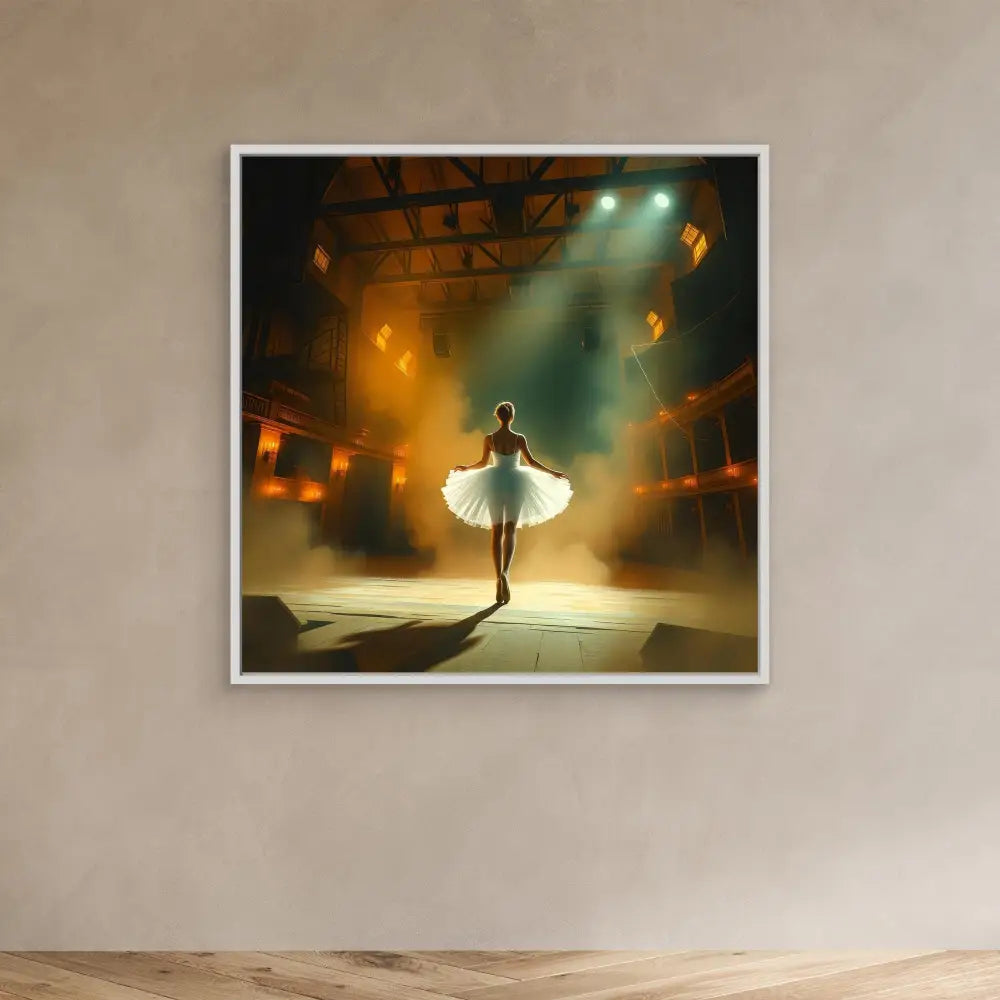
491	236
399	200
509	270
503	220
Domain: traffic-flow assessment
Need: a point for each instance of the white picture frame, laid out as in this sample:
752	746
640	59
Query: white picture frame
761	677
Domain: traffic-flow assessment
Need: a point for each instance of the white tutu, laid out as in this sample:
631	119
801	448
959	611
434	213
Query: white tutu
505	491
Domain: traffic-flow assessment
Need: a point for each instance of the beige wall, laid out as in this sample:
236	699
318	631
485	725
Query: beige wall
145	803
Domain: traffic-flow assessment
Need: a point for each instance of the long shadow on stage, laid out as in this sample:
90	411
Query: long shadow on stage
676	649
412	647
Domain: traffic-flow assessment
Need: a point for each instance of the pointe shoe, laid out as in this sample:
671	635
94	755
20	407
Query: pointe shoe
505	589
499	590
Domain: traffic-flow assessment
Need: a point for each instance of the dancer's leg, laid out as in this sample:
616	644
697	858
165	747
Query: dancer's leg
509	542
496	543
496	537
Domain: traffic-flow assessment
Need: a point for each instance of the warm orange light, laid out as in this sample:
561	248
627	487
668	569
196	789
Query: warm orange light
695	239
339	463
691	481
640	489
310	492
269	441
656	323
405	363
732	471
699	249
689	234
268	445
274	489
321	258
754	480
381	336
692	396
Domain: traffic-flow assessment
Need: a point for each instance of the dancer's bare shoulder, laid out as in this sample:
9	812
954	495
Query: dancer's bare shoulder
506	441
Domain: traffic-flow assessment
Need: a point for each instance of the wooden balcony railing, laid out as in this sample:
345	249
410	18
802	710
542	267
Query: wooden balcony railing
730	477
256	406
706	401
293	421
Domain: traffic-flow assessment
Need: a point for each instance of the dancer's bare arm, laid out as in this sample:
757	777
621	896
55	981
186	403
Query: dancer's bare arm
482	463
530	459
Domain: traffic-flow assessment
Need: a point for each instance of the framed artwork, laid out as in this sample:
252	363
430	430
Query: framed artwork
499	414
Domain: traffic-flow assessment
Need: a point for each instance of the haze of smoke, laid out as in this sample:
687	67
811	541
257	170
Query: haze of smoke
277	552
428	414
578	546
437	444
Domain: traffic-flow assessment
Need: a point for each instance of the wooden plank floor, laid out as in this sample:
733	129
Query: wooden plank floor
498	975
450	625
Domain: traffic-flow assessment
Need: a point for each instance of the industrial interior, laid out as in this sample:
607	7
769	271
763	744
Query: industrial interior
388	303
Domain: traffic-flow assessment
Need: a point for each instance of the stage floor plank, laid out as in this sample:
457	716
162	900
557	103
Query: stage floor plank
453	625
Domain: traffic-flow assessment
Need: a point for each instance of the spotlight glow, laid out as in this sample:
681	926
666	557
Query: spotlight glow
661	200
608	201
